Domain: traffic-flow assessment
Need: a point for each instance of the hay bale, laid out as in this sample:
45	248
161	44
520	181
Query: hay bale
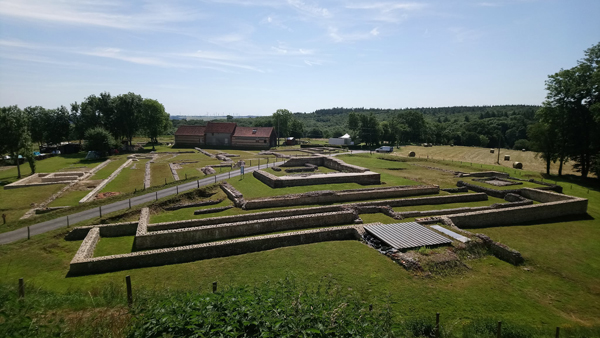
412	154
507	157
492	151
518	165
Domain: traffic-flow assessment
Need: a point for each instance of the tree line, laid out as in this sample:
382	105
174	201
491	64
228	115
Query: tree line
103	121
568	124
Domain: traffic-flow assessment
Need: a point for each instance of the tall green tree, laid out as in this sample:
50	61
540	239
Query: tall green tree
297	128
126	118
154	121
282	120
575	92
415	121
58	125
14	134
38	118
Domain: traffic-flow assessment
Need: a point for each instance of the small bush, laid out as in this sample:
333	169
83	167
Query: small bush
100	140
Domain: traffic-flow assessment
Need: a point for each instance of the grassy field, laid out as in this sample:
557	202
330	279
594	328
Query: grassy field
557	286
16	202
70	198
129	179
483	156
160	172
109	168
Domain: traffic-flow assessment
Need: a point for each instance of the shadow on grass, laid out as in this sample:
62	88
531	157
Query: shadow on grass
591	183
562	219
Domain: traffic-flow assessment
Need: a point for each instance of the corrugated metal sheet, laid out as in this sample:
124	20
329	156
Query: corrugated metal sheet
452	234
406	235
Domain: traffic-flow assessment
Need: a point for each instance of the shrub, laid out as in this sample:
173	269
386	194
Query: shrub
522	144
282	309
100	140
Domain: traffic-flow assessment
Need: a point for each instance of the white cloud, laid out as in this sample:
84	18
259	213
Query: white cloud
336	36
117	54
120	15
309	9
387	6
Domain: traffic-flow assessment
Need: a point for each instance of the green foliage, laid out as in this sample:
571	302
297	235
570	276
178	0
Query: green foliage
281	309
570	112
154	121
14	134
100	140
522	144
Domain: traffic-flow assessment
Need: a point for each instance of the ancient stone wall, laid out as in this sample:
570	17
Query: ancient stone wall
106	230
87	247
519	215
209	250
187	236
543	196
241	218
326	196
233	194
364	178
502	251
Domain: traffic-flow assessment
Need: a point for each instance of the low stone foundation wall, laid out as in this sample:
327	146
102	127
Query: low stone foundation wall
544	196
492	192
187	236
241	218
485	174
518	215
197	252
106	230
404	202
323	161
327	196
86	249
502	251
233	194
364	178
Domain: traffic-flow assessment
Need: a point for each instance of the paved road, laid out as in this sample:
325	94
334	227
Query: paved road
40	228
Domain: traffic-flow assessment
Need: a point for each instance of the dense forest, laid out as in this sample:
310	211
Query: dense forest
478	125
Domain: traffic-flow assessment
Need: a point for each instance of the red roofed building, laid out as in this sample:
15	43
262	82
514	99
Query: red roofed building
219	133
190	136
254	137
225	134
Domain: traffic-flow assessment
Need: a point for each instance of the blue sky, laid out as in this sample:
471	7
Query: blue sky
255	56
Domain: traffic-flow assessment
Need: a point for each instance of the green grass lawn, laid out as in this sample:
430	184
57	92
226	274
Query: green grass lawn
70	198
160	172
129	179
114	246
557	286
109	168
16	202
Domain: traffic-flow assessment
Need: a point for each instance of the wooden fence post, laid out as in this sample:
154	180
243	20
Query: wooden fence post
557	332
67	221
21	288
129	293
499	330
437	325
214	287
157	195
28	233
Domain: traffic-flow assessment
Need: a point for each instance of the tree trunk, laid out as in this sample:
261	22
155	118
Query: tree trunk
560	167
584	166
16	158
548	166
